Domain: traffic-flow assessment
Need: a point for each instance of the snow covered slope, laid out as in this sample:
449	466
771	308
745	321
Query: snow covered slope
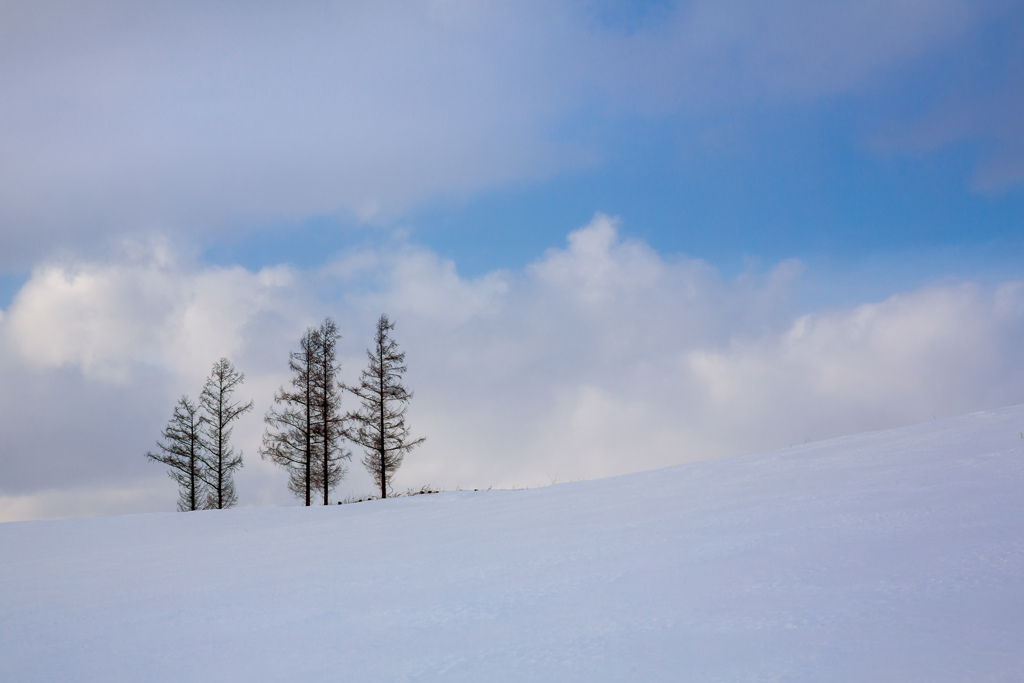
891	556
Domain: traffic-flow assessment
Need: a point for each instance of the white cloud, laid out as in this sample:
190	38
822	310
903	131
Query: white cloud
940	350
106	318
601	357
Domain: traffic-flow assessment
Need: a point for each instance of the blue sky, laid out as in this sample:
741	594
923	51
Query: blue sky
844	181
904	135
728	225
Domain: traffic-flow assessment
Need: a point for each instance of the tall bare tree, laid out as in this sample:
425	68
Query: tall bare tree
220	459
291	429
328	468
181	450
379	424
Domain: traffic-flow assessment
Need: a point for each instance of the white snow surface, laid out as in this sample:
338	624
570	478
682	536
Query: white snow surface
888	556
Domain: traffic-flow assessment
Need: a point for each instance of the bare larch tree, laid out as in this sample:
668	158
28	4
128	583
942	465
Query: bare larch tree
379	424
291	429
181	450
328	469
220	459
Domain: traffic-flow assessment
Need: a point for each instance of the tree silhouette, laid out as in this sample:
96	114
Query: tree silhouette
220	459
288	440
379	424
181	450
328	469
304	433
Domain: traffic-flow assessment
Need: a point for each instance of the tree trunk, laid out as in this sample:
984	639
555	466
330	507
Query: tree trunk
383	443
309	428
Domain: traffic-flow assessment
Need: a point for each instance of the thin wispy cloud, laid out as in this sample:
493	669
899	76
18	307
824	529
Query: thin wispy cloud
121	118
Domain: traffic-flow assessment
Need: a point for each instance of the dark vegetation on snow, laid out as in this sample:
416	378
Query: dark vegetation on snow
306	430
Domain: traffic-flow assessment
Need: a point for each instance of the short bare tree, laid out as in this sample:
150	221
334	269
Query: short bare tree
379	424
181	450
220	459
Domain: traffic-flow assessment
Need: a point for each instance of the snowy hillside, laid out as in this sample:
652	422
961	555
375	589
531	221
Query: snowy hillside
891	556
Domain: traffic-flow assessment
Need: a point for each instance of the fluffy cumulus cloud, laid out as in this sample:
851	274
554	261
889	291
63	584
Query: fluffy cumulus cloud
601	357
106	318
123	117
916	355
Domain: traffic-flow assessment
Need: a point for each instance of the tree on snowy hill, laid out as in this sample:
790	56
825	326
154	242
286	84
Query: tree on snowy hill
328	469
379	424
304	434
288	440
219	458
181	450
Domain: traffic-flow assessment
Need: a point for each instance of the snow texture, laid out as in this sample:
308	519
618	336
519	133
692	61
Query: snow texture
890	556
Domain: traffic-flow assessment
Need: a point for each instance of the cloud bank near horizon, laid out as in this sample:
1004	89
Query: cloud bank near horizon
601	357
